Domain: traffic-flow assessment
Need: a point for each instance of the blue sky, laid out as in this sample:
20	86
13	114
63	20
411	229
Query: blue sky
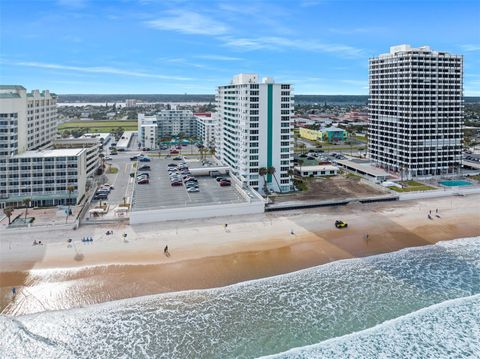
148	46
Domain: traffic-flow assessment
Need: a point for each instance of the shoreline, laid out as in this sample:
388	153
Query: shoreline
204	255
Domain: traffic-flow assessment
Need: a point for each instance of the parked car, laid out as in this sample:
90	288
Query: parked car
172	165
100	196
225	183
108	158
144	159
173	152
219	178
340	224
177	183
177	158
134	158
144	174
143	181
193	189
144	168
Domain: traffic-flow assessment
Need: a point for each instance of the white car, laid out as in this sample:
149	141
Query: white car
193	189
108	158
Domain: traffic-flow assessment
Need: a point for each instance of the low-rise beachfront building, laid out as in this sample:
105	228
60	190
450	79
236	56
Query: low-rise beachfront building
44	178
316	171
330	134
33	165
311	135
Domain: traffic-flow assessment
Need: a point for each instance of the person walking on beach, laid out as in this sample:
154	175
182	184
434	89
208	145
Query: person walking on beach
292	232
165	250
436	211
366	237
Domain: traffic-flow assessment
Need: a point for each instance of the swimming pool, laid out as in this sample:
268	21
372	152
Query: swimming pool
455	183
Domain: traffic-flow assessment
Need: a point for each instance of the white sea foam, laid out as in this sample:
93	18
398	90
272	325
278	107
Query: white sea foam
260	317
446	330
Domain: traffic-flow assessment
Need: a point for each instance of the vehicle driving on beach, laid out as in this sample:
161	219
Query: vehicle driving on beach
340	224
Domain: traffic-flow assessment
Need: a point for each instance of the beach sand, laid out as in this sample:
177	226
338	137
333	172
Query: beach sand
203	254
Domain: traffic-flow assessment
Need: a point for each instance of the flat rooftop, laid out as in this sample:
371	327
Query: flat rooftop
364	166
52	153
159	194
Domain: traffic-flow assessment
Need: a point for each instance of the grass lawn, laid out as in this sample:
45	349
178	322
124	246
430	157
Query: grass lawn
100	126
412	186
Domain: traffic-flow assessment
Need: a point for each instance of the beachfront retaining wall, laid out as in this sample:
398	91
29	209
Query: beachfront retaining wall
172	214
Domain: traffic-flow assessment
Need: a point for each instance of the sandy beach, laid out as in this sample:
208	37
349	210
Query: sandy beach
205	254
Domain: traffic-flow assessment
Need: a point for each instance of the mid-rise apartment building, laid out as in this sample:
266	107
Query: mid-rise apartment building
165	124
416	111
254	130
206	129
32	165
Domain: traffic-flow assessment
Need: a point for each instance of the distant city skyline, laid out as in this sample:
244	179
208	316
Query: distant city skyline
150	47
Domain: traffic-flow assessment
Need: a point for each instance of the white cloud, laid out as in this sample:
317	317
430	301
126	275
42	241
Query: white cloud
357	30
189	22
470	47
97	70
218	58
273	42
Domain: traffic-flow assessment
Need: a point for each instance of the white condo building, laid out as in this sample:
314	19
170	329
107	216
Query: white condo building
416	111
254	130
206	129
164	124
32	164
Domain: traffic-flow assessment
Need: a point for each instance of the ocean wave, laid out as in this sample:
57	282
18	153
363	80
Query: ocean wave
450	329
259	317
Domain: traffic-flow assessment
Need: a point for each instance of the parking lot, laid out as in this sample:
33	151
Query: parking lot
159	194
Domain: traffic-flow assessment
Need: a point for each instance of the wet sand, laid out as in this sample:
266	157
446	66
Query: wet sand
204	255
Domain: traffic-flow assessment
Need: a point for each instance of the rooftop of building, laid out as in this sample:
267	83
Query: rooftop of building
12	87
316	168
64	152
406	48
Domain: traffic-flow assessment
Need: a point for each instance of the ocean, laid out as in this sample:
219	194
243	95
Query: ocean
421	302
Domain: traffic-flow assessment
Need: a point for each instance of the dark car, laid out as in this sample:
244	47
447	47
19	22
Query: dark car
177	158
172	165
100	196
218	179
144	168
144	159
225	183
177	183
134	158
143	181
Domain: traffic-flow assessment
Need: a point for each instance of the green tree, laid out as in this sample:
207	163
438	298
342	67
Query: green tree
300	163
8	211
26	202
262	171
271	171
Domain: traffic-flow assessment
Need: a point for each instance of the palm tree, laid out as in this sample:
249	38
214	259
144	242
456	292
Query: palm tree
70	189
8	211
303	148
300	163
262	171
26	202
212	150
271	171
